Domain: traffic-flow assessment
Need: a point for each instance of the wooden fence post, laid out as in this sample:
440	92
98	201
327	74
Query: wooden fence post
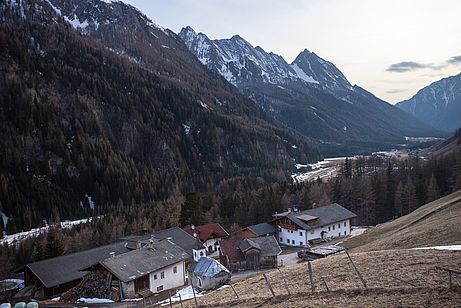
169	293
193	291
356	270
180	299
268	284
235	292
325	283
285	282
311	276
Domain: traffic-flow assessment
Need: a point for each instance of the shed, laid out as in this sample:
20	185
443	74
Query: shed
209	274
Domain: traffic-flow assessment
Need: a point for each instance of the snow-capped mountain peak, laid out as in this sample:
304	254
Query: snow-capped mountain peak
240	63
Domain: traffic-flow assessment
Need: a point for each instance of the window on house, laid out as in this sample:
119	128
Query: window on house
312	231
339	234
293	242
175	270
345	233
159	288
300	233
155	276
162	275
345	224
288	241
329	228
281	240
339	226
333	227
301	243
201	253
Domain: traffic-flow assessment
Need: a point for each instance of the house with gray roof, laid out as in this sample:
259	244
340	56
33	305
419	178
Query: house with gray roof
190	244
250	253
56	275
209	274
306	227
262	229
156	267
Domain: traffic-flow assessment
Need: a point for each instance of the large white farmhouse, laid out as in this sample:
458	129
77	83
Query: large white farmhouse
302	228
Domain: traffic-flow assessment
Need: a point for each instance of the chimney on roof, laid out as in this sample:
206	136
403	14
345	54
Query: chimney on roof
289	209
192	227
295	208
112	254
195	234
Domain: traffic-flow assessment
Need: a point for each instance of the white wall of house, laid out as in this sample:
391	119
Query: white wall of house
301	237
198	253
213	242
170	278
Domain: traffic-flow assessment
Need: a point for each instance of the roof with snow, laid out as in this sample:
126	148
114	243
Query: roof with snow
319	216
148	259
63	269
208	267
206	232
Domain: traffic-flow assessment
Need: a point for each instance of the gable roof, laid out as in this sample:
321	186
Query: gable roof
269	245
248	244
327	215
207	232
208	267
230	249
148	259
263	228
67	268
234	248
175	234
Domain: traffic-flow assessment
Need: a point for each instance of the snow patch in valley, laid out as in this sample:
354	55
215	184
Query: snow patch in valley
94	300
35	232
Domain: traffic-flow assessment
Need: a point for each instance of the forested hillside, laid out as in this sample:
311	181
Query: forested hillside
77	120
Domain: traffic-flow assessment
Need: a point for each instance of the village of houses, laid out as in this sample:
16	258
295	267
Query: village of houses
195	258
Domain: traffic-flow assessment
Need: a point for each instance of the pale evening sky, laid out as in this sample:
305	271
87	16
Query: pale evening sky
390	47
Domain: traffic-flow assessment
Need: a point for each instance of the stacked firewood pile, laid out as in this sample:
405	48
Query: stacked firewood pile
93	285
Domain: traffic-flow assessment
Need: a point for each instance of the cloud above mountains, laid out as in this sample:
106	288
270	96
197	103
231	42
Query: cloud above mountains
408	66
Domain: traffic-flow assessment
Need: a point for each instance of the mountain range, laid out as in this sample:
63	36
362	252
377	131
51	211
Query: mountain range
98	102
310	95
438	104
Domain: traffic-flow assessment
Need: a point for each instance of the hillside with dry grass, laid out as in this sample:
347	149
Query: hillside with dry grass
424	285
433	224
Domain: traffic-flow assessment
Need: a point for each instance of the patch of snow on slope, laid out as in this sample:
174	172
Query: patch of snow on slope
187	128
302	75
94	300
449	247
186	293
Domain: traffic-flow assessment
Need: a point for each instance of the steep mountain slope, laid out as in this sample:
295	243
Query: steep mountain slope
433	224
310	95
76	118
438	104
450	146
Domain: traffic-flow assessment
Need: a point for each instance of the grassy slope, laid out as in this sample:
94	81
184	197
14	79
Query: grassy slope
436	223
381	256
345	289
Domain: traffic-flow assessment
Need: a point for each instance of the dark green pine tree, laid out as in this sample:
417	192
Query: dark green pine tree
11	226
1	227
192	210
54	246
433	190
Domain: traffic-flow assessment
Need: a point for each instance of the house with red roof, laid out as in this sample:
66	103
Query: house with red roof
209	235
